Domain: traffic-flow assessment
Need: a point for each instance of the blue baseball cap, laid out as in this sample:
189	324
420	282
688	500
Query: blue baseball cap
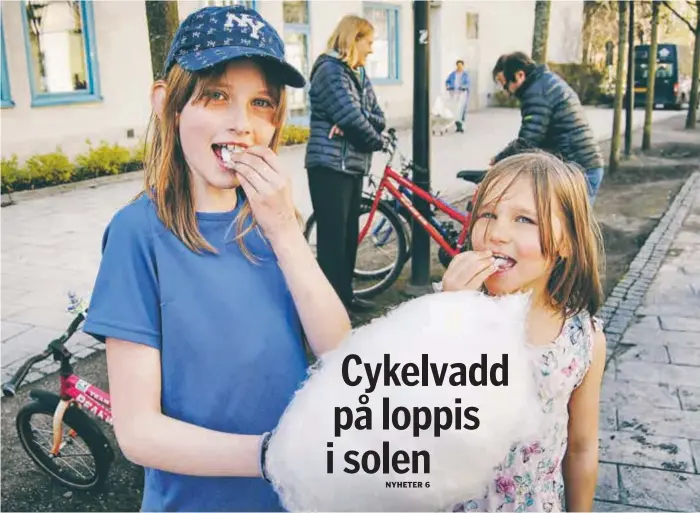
212	35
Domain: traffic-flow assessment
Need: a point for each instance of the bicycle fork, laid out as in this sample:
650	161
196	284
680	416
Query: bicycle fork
58	425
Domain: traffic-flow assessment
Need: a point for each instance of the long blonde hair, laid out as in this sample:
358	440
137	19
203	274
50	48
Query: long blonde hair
167	179
574	282
349	31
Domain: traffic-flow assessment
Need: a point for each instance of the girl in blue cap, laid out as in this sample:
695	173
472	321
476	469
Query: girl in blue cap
206	282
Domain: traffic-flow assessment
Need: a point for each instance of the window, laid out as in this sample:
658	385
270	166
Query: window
250	4
60	42
383	64
6	97
472	25
297	37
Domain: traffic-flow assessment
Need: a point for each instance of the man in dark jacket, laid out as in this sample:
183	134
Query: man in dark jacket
346	128
552	116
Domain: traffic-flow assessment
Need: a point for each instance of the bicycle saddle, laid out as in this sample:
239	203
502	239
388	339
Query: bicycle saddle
472	175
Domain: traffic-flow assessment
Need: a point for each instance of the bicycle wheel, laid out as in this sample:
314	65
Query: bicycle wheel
382	253
81	464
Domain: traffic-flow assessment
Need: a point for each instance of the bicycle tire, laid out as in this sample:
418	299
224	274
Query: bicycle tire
386	276
84	428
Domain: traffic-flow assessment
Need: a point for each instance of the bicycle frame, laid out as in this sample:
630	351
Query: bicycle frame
75	390
387	184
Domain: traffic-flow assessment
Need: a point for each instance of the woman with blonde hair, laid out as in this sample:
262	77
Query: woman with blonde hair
346	128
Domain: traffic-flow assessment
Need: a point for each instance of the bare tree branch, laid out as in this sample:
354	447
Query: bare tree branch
680	17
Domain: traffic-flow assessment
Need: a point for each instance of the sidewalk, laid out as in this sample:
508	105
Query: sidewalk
650	411
51	244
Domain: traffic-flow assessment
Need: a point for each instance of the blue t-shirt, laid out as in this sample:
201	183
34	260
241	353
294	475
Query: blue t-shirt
229	335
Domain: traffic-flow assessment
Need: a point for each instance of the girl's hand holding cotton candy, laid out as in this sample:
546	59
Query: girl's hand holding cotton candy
416	343
268	189
468	271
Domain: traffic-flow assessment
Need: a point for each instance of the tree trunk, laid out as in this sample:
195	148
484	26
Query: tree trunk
691	119
619	80
541	32
163	21
589	8
651	81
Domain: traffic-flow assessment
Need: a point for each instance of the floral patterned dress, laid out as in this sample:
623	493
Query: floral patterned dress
530	478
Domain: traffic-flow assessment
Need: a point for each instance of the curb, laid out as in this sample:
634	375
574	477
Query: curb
621	305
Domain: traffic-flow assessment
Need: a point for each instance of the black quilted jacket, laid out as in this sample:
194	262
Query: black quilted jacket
338	98
553	119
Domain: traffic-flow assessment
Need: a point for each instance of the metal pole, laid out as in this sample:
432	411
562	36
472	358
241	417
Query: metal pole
629	107
420	251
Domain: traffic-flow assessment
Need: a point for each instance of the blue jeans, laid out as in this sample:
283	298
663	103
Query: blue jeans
594	177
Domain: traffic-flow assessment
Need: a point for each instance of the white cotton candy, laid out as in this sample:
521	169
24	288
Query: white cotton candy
450	328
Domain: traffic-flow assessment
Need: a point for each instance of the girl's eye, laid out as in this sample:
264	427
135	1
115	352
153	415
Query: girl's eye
215	95
486	215
523	219
262	102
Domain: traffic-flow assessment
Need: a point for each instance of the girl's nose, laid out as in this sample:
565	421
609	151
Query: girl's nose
238	119
498	230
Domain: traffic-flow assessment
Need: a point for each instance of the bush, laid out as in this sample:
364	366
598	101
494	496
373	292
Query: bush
587	80
13	176
294	134
101	161
501	99
48	169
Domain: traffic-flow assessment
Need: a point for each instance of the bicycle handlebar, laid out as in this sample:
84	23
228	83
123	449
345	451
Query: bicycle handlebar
55	347
9	389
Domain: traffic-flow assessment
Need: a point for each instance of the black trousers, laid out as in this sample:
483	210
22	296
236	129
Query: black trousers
336	197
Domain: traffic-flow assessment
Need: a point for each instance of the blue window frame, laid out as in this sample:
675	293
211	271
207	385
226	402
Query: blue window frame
383	66
59	39
6	96
297	42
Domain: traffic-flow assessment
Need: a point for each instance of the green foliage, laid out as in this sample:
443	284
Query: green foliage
48	169
293	134
12	175
587	80
103	160
501	99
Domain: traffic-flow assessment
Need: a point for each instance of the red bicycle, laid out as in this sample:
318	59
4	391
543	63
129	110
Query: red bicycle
387	214
55	430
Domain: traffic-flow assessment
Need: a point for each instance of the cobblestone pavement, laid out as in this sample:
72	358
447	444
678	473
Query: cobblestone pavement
650	412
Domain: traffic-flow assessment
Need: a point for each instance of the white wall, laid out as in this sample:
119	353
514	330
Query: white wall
565	25
125	76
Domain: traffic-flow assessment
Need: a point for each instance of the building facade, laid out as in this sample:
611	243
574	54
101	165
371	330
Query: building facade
76	69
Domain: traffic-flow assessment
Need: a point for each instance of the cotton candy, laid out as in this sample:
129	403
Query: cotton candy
449	327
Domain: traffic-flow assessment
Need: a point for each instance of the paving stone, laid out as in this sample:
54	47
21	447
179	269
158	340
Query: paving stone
607	488
680	324
646	419
11	329
607	416
642	353
695	449
690	398
657	373
662	489
658	395
51	318
616	506
670	309
666	453
33	376
27	343
685	356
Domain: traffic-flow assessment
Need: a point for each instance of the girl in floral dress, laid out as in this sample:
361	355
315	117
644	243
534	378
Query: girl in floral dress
533	231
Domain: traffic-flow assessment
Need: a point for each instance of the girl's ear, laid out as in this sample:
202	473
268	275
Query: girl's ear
158	93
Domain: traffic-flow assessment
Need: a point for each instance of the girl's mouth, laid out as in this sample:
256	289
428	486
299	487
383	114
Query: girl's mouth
503	263
226	152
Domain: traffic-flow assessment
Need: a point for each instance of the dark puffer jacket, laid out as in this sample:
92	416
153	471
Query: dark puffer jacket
338	98
553	119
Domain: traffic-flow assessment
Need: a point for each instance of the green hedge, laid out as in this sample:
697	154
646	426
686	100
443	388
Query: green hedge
106	159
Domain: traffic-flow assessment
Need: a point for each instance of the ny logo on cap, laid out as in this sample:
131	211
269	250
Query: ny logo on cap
244	20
